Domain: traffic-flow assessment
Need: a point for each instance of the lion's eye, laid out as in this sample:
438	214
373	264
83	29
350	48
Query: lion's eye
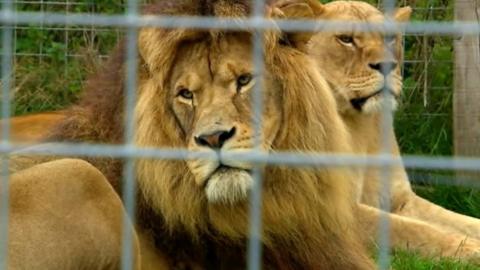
243	80
185	93
345	39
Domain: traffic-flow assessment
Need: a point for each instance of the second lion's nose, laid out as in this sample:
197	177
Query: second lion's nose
384	67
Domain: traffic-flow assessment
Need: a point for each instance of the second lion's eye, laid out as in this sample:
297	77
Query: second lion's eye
185	93
243	80
345	39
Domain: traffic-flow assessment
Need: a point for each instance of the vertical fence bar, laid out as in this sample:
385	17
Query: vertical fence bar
65	54
254	253
386	148
129	185
7	55
41	53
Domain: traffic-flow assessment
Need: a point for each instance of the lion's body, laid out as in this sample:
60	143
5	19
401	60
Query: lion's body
367	139
192	212
64	215
33	127
351	63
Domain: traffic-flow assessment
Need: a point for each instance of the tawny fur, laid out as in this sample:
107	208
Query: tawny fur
33	127
64	215
429	229
308	214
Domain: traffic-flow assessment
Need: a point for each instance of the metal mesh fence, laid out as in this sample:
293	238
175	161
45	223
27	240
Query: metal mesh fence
71	38
74	51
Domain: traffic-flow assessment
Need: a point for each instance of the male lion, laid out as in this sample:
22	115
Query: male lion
356	66
194	92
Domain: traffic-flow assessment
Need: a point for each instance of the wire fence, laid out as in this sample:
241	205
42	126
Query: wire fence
74	51
73	37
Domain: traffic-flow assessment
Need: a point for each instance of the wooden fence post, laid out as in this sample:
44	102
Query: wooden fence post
466	98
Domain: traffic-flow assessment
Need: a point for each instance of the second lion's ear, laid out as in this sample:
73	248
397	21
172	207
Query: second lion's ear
403	14
297	10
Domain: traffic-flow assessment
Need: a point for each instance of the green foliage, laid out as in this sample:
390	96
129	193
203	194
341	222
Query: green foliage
39	86
426	105
52	62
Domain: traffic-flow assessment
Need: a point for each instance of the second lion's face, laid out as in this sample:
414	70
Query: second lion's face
360	65
211	88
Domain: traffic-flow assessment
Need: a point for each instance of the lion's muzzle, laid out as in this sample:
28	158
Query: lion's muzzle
225	179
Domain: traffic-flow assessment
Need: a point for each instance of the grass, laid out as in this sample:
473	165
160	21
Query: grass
459	199
403	260
50	75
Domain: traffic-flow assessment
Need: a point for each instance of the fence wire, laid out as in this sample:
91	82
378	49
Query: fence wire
7	56
69	30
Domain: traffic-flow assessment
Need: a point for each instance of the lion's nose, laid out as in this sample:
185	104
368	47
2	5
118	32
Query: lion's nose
215	139
383	67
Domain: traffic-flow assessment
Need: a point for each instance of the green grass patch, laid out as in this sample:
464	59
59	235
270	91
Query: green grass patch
403	260
456	198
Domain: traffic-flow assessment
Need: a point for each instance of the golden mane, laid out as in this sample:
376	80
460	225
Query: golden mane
307	212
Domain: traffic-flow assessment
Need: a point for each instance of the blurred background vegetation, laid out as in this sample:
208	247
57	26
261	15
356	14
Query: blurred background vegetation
51	63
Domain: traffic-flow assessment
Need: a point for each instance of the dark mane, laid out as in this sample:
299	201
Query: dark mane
98	116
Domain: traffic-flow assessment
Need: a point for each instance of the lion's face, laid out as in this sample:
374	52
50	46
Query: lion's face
356	64
211	88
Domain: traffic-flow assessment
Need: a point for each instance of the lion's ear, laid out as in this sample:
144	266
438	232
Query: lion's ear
306	9
403	14
298	9
157	47
147	47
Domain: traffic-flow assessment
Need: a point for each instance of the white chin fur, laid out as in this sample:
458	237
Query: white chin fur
229	186
374	105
